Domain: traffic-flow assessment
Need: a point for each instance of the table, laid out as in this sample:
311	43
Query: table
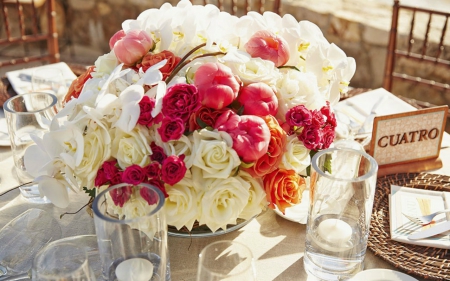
277	244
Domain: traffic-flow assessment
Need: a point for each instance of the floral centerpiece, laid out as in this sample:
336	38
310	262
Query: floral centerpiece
221	113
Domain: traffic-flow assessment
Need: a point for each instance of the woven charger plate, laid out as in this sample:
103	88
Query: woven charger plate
426	262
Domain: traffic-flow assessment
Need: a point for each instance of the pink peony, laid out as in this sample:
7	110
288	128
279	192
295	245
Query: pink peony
217	86
258	99
266	45
131	47
250	134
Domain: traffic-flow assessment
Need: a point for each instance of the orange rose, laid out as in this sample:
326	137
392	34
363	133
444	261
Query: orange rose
152	59
77	85
272	159
284	188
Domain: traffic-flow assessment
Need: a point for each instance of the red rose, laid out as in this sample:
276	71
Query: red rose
171	129
328	136
317	119
158	153
110	169
207	116
173	169
100	179
299	116
152	59
133	174
153	170
149	195
180	101
146	106
329	115
121	195
116	178
311	137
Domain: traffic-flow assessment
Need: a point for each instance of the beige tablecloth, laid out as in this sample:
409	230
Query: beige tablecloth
277	244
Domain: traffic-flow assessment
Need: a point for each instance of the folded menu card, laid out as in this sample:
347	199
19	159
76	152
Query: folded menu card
21	79
417	202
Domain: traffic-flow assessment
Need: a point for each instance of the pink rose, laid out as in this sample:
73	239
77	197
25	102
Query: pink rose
131	47
153	170
268	46
258	99
250	134
299	116
133	174
146	106
173	169
171	129
121	195
158	153
216	84
311	137
180	101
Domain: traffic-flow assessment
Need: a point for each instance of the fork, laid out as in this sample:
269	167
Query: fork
424	220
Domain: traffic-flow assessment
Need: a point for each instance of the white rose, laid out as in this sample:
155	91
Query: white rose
296	88
223	201
257	197
97	149
256	70
296	157
181	207
105	64
214	154
131	148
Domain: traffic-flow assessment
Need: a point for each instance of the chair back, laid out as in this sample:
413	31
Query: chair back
242	7
21	26
424	42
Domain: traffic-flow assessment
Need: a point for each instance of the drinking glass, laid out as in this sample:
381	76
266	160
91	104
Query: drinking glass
343	183
226	260
26	115
23	237
49	80
132	245
62	261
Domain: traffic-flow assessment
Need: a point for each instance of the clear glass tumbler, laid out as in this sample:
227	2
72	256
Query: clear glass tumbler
62	261
50	80
343	183
28	115
132	238
226	260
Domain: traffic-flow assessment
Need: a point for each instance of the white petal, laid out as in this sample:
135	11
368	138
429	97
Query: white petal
55	191
33	158
160	92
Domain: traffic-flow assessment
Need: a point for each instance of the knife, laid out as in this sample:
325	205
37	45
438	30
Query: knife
368	123
435	230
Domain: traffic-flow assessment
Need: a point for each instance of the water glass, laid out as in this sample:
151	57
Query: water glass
27	115
342	191
226	260
132	238
62	261
49	80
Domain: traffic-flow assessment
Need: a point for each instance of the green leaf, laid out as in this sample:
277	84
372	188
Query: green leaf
327	164
90	192
201	123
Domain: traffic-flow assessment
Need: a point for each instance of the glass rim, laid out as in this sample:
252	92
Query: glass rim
372	171
6	105
230	242
96	209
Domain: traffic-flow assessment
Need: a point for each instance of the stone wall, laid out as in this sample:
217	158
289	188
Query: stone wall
360	28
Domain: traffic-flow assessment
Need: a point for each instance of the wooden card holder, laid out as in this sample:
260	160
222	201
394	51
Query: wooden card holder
408	142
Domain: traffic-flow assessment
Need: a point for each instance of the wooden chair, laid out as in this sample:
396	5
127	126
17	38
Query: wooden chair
20	26
242	7
417	47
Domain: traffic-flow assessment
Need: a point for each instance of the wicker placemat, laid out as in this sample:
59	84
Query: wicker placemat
426	262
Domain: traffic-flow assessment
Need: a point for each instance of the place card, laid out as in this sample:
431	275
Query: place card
409	141
417	202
